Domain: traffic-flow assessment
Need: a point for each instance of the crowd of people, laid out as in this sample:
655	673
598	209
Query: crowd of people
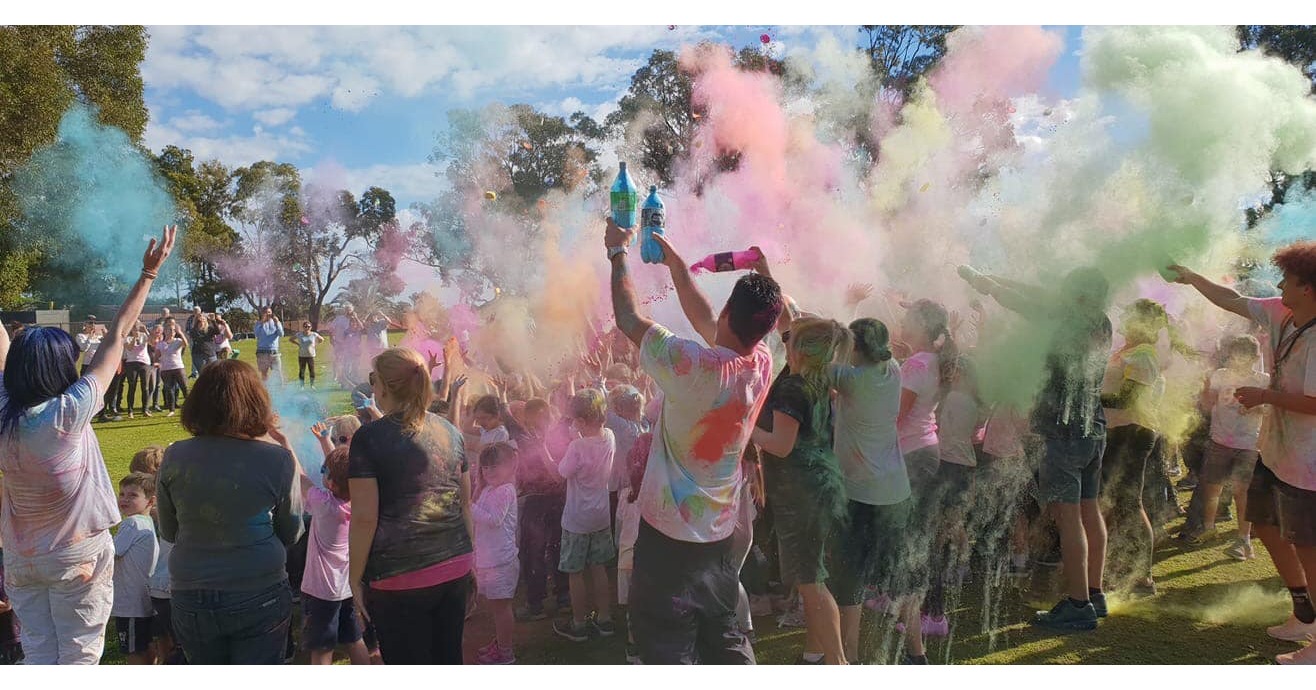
864	467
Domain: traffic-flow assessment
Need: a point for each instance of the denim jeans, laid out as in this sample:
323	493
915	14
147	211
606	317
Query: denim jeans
246	627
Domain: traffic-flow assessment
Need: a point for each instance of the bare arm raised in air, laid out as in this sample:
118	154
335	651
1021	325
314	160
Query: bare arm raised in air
623	289
693	302
1224	297
1022	299
107	358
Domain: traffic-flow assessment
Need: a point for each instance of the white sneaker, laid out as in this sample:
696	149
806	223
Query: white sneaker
1303	657
1293	630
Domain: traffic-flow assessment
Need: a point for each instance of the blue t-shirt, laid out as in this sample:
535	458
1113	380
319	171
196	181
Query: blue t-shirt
267	335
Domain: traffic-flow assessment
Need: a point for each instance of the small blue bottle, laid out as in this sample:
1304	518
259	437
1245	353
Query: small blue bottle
652	217
625	199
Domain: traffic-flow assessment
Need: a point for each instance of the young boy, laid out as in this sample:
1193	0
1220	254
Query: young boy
328	616
135	554
586	525
147	460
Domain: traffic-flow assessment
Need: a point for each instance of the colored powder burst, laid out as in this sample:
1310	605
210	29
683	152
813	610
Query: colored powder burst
91	198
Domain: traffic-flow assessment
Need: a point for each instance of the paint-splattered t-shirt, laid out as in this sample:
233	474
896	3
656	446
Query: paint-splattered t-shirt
711	396
421	519
57	492
1288	439
231	507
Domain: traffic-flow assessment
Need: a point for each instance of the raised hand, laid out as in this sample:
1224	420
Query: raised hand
671	259
319	428
857	292
761	264
157	252
616	236
1177	274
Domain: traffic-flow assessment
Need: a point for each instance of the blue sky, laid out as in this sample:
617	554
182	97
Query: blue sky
362	105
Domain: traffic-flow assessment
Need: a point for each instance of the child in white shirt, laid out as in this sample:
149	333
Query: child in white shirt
497	566
586	524
1231	454
135	553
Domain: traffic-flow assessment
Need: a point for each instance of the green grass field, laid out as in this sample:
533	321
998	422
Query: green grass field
1210	609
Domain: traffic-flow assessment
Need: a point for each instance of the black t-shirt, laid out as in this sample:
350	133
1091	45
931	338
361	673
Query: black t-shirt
810	471
1069	404
421	521
203	342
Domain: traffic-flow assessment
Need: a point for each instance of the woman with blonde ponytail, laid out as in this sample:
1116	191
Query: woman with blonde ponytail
410	538
801	474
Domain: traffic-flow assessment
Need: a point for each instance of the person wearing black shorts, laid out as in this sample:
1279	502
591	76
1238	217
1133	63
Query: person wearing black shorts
1281	499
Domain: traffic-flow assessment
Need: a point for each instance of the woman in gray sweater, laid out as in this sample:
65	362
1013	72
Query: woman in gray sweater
230	503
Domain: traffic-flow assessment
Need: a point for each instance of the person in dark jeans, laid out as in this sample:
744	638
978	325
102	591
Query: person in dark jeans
542	496
230	599
410	548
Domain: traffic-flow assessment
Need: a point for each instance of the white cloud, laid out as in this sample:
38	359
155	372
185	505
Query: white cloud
194	121
274	116
233	149
285	67
406	182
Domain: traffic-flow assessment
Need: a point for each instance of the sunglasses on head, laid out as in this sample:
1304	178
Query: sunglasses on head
324	469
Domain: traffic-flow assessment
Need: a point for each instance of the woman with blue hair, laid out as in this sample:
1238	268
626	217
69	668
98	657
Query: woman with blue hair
57	503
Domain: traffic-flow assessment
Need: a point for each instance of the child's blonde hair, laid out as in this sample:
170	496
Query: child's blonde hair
147	460
342	428
589	406
626	399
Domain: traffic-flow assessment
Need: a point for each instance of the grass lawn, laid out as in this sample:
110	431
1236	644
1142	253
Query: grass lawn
1210	609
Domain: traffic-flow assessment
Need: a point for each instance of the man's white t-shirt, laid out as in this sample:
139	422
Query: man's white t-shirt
1232	426
1288	439
711	396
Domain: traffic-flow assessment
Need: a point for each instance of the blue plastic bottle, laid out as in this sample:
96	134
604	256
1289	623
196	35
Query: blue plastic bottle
625	199
652	217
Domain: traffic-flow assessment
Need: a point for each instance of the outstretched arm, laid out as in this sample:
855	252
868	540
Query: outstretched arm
106	361
1017	297
1219	295
623	289
693	302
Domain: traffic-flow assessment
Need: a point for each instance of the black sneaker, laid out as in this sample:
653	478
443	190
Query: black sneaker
805	662
1099	603
633	654
909	660
1186	484
1066	616
567	628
